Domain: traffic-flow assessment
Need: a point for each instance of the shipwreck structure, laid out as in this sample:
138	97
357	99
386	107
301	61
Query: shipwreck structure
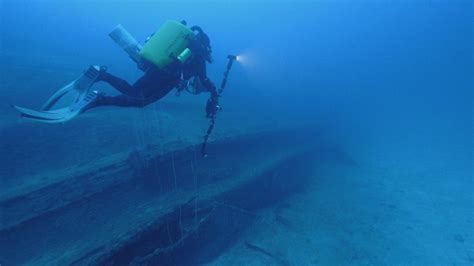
156	206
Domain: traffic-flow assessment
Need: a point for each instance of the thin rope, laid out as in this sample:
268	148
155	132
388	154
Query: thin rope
195	178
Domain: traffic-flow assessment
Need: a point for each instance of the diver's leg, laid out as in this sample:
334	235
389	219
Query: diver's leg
119	84
153	77
127	101
120	100
151	87
157	92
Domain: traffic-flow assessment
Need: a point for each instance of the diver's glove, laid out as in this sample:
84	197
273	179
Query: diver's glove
212	107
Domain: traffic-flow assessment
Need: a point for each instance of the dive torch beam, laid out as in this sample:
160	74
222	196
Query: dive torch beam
231	58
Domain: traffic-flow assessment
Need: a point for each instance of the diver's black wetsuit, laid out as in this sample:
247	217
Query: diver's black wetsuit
152	86
156	83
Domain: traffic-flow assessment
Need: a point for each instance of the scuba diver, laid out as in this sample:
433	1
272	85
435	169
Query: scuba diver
156	82
173	57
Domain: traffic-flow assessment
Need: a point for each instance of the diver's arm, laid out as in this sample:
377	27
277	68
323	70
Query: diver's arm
212	105
201	72
210	87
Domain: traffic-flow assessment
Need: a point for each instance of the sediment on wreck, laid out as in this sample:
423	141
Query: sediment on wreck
150	206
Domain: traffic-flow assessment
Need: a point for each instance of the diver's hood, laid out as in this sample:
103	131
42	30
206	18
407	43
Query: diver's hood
203	43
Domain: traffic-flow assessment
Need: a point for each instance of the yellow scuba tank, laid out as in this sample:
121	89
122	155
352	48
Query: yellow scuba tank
168	43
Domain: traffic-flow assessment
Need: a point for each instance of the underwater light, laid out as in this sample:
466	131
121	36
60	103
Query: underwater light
243	59
232	57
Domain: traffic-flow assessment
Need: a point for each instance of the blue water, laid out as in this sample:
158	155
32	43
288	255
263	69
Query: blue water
388	82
